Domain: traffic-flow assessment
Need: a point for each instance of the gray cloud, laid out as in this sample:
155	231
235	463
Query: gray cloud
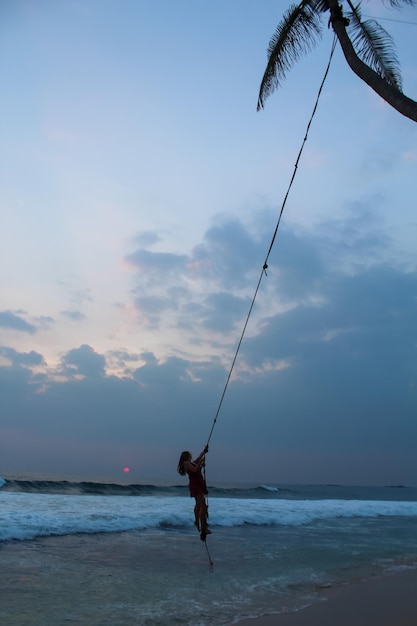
223	311
21	359
84	361
80	296
146	238
157	264
9	319
324	390
152	307
194	288
75	316
205	289
228	253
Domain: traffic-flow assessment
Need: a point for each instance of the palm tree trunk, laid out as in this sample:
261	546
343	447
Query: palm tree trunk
400	102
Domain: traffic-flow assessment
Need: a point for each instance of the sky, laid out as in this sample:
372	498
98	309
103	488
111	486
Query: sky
139	192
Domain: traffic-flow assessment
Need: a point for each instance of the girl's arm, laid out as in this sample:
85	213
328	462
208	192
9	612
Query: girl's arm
194	466
201	455
191	466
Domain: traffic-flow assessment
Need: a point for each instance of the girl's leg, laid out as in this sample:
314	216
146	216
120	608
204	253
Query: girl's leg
202	512
197	514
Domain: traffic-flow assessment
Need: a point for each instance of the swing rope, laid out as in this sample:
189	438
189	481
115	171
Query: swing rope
265	267
211	564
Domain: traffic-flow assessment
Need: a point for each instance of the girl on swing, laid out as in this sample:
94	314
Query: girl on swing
198	487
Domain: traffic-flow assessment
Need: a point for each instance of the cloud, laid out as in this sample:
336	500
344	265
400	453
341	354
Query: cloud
359	240
326	372
227	254
75	316
205	296
83	361
147	238
121	360
45	322
80	296
222	310
21	359
157	264
19	383
9	319
188	291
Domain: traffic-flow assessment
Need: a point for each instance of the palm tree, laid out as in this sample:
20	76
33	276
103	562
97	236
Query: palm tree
368	49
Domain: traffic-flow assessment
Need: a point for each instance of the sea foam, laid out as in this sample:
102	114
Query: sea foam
27	515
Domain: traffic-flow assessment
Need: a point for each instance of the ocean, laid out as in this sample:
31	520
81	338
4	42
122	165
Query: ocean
94	552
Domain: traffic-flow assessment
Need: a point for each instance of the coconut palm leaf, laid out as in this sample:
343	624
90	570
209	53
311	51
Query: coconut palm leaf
374	46
367	47
397	3
298	31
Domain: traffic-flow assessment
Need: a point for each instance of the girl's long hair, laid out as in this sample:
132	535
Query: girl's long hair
185	456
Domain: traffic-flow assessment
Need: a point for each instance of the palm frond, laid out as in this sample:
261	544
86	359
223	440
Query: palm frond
298	31
396	4
319	6
374	46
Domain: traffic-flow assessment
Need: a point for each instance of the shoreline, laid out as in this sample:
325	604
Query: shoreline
390	600
121	578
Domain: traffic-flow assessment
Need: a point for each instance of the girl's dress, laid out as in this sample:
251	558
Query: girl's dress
197	484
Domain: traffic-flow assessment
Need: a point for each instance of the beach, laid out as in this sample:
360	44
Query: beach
104	554
95	580
387	601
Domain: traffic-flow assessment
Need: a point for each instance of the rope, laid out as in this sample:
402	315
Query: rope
211	564
265	265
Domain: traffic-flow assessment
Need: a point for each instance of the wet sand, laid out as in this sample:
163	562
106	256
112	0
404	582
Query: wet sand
388	601
96	580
